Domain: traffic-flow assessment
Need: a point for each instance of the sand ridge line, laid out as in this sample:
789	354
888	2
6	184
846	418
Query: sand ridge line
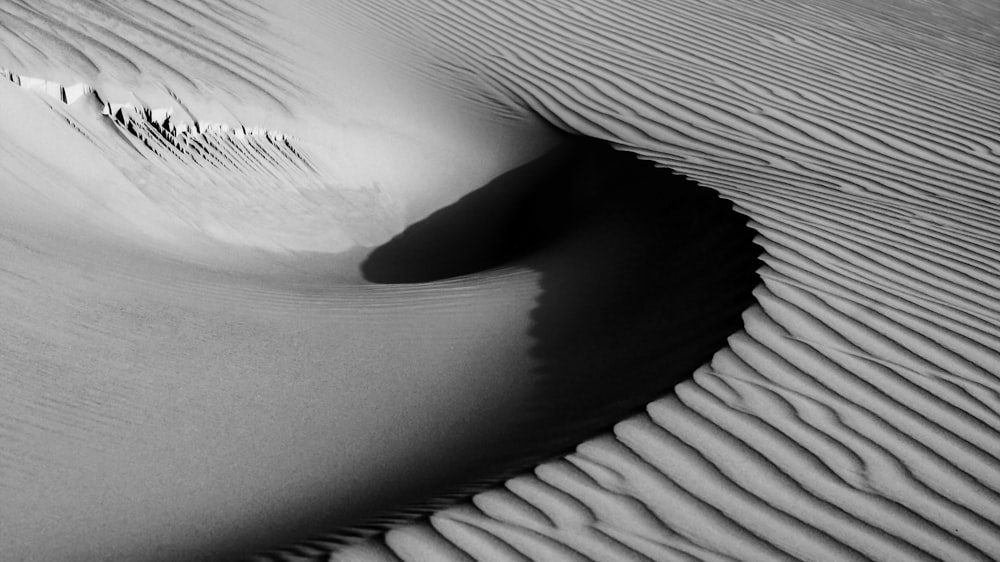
861	142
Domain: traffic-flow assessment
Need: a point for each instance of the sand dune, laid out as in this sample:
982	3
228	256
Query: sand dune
855	416
185	315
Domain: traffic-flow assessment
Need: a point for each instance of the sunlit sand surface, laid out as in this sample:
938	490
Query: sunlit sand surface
369	281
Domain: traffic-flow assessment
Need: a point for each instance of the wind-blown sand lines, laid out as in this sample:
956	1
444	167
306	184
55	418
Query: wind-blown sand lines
856	414
864	149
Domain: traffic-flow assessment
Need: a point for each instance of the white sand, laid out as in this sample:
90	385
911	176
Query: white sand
173	373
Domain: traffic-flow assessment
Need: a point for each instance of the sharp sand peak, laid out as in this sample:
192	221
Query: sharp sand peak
127	113
214	177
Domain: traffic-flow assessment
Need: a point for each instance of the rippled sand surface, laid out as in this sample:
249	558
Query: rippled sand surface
272	273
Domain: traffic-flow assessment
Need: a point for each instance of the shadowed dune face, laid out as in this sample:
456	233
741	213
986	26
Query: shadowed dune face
643	274
631	303
178	360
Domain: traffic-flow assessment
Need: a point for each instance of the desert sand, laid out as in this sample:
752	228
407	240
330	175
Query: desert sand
376	282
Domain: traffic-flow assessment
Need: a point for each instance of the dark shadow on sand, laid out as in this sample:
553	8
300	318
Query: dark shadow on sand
514	215
644	276
640	295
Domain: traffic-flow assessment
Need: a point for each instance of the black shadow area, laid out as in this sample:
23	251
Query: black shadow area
644	276
641	293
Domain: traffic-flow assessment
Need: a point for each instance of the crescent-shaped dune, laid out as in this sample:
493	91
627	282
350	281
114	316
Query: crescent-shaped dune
273	271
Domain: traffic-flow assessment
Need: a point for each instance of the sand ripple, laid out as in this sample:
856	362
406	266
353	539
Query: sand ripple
856	415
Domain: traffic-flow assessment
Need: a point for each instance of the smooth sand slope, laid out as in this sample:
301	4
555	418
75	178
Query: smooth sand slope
193	364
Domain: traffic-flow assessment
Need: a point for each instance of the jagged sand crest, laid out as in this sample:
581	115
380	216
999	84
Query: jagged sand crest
856	414
249	159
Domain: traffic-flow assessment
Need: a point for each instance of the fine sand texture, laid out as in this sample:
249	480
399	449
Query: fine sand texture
557	280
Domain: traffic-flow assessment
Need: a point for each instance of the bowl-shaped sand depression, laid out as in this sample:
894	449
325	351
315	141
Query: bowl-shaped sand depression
221	396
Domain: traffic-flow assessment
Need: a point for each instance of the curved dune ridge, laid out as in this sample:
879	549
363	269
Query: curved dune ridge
223	336
568	236
173	335
856	414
